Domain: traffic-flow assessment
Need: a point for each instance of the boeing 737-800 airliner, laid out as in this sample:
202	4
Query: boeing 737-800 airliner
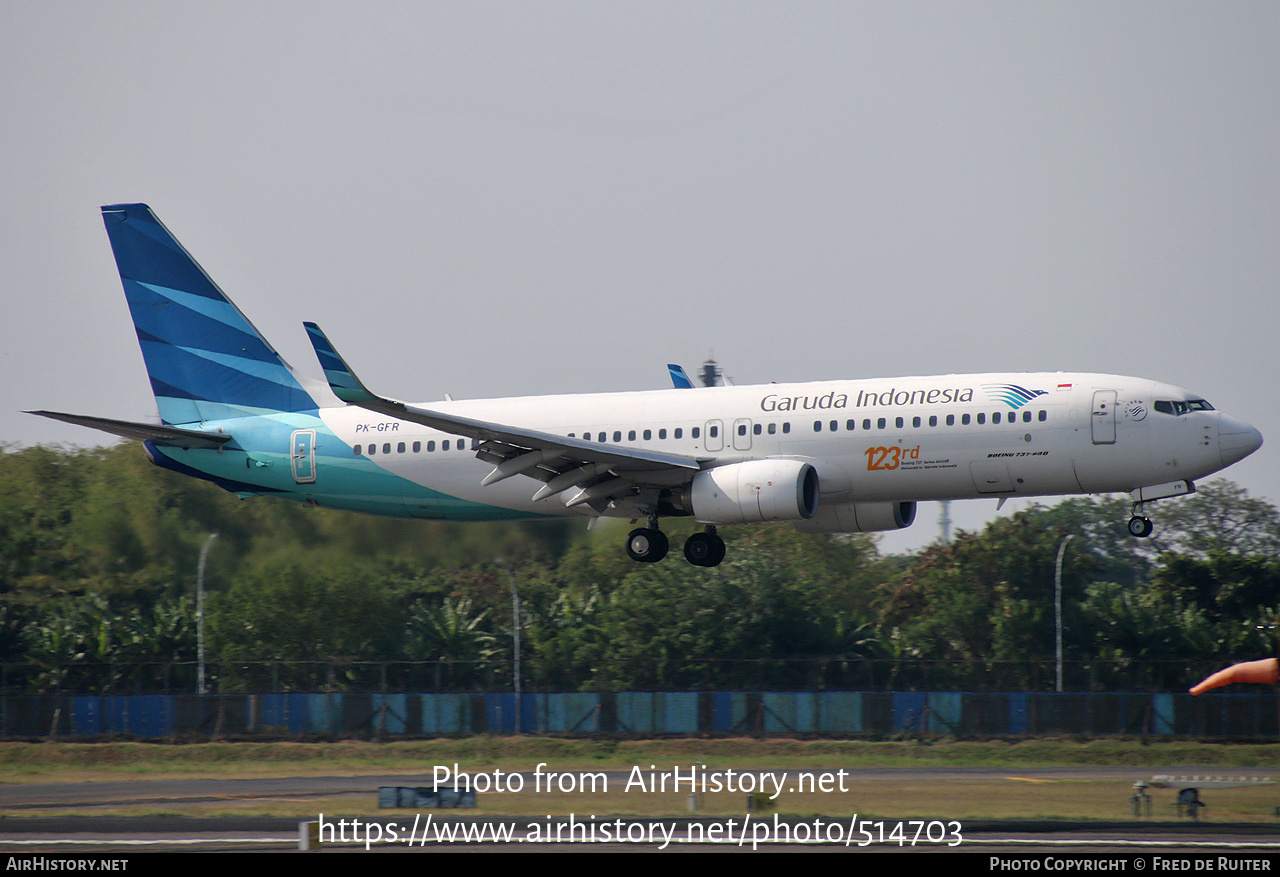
830	457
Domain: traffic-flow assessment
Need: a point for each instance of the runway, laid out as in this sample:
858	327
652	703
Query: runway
28	825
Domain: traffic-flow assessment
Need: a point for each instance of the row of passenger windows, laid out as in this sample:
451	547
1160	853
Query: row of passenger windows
713	431
371	450
917	422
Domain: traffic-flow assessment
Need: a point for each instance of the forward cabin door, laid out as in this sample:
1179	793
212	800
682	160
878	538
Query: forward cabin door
1103	421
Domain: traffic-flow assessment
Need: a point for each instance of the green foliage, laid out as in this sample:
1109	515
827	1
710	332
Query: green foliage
98	552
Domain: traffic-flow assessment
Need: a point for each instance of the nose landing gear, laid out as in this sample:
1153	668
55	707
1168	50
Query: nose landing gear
1140	527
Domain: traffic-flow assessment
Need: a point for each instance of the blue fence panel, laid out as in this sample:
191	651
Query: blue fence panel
324	713
790	712
446	713
908	710
680	713
86	716
390	712
839	712
634	710
944	711
1018	712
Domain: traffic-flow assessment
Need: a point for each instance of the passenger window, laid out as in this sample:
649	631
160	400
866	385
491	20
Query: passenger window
617	436
964	419
711	431
773	428
915	422
386	448
786	427
417	447
756	429
356	450
444	445
742	429
648	434
995	418
849	424
400	448
866	424
662	434
696	431
1044	415
631	435
897	422
880	424
982	417
933	420
373	449
679	433
1026	417
602	437
817	426
951	420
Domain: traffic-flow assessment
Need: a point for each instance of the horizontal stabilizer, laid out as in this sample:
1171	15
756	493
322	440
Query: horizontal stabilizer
161	435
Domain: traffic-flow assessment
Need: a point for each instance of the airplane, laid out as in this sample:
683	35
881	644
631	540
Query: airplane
829	457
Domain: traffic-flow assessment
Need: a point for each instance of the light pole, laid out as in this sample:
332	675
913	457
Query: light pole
204	555
515	633
1057	606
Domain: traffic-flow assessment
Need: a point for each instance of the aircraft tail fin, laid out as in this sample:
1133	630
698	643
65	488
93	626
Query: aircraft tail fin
205	359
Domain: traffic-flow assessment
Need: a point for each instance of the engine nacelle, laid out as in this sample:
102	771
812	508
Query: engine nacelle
755	492
860	517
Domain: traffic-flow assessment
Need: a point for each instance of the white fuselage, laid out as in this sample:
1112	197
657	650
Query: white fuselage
898	439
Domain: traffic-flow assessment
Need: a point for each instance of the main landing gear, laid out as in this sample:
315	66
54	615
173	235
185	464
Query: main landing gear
1140	527
704	549
649	545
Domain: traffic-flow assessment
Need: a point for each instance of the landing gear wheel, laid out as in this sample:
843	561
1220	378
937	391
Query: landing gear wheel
1140	528
704	549
647	544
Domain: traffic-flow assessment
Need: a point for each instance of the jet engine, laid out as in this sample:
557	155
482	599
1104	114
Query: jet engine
754	492
860	517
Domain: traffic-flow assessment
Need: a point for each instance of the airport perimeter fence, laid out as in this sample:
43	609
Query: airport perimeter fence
641	713
657	674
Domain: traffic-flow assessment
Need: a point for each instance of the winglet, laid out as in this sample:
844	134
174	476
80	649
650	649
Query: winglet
342	380
678	377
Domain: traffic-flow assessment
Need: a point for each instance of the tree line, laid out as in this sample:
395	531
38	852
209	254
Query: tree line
98	555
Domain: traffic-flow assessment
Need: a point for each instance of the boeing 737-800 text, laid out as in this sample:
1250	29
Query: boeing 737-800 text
830	457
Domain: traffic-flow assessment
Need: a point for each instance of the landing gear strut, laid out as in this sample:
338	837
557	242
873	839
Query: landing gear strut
704	549
1140	527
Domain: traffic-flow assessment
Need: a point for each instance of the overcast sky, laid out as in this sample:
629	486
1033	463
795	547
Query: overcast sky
490	199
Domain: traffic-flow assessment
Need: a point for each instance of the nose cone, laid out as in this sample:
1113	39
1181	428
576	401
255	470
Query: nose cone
1236	439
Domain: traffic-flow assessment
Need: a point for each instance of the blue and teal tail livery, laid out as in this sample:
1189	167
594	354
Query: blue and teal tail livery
205	359
679	378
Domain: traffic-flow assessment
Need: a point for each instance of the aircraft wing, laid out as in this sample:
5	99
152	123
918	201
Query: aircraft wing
600	471
161	435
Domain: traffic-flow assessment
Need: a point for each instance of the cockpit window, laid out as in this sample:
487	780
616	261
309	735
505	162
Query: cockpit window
1177	407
